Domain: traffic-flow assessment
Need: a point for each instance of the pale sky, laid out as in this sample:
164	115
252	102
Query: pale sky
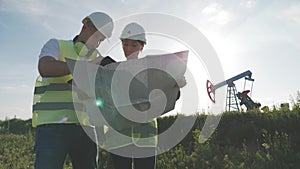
260	36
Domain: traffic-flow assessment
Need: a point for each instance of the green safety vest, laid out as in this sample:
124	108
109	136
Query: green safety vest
53	97
141	135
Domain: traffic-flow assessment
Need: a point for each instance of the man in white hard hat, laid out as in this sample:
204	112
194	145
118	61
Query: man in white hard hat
58	131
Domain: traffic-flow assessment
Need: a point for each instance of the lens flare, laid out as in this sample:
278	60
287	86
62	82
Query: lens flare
64	119
99	102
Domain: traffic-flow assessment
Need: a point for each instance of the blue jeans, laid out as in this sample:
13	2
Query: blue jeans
120	162
54	141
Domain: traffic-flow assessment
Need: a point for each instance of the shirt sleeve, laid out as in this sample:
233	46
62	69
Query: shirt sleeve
51	48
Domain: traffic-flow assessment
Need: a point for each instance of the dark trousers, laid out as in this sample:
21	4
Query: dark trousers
124	162
54	141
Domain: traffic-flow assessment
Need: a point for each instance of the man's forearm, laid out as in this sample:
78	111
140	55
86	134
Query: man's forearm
49	67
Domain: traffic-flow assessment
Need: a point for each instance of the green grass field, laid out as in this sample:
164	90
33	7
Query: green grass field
248	140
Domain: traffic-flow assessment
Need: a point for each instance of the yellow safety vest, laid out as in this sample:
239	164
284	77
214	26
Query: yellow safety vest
141	135
53	97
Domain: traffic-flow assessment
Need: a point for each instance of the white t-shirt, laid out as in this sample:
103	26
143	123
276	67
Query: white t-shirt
51	48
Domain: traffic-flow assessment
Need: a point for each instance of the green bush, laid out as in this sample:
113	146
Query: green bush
16	151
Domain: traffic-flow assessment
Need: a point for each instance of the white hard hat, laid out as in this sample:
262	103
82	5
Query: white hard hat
102	22
133	31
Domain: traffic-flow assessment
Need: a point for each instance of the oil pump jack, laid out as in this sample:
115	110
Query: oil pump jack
232	95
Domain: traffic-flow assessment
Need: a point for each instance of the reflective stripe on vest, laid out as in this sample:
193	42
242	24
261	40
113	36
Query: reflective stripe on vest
52	87
58	106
